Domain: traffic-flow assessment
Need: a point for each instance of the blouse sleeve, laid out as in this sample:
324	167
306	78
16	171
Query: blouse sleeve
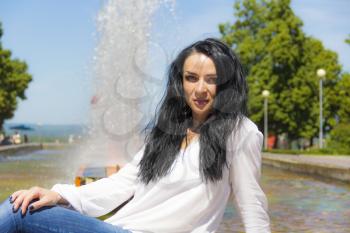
102	196
245	172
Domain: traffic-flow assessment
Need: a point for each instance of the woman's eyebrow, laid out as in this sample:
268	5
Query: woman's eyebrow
208	75
192	73
212	75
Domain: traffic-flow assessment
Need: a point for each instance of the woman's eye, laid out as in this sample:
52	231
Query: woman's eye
191	78
212	80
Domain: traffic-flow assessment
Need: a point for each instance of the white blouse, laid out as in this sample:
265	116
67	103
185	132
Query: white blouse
181	202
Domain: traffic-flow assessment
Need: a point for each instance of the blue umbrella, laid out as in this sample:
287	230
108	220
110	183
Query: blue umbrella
21	127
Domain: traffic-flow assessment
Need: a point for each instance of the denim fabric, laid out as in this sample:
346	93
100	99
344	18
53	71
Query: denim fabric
51	219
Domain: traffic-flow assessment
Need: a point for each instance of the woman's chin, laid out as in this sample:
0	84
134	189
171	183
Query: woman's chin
200	113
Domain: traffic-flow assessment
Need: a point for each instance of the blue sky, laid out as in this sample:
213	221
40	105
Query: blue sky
57	40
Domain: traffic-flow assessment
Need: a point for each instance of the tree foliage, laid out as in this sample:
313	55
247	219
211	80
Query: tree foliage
342	98
340	138
281	58
14	80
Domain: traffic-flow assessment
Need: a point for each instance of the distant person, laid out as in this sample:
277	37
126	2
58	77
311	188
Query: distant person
201	150
2	137
25	138
7	141
16	138
71	139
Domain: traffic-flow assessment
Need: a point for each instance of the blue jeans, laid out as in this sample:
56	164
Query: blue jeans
51	219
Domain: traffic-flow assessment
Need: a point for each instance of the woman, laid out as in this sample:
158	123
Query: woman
201	148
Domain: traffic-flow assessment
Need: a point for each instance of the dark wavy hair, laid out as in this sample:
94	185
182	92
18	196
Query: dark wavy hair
169	126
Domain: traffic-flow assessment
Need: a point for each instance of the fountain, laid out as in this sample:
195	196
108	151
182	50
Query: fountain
124	89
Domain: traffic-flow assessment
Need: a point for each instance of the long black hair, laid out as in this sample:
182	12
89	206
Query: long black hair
174	117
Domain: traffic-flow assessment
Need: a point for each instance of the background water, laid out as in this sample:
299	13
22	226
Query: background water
46	130
297	203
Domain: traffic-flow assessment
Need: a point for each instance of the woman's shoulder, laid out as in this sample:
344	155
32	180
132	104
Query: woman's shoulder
245	127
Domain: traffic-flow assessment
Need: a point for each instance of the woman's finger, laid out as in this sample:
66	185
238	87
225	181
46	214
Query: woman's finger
32	194
45	201
19	200
15	195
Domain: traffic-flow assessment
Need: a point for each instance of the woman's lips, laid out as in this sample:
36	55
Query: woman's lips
201	103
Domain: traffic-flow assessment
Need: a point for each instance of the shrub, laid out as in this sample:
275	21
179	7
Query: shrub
340	138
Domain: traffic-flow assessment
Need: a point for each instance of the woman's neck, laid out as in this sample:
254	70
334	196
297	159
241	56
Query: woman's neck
197	122
194	129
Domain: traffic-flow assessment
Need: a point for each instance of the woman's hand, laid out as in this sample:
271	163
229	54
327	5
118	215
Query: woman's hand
44	197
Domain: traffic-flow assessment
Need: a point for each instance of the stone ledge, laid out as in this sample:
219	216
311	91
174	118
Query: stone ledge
294	163
14	149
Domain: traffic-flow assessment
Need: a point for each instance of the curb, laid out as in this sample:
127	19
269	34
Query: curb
14	149
321	170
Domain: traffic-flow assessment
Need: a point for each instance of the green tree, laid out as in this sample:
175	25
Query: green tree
342	98
340	135
14	80
281	58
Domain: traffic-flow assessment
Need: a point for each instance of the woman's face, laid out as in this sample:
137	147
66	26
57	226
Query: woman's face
199	84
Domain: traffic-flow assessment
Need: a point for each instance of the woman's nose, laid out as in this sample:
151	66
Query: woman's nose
201	89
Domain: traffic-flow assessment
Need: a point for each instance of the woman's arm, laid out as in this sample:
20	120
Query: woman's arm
245	172
102	196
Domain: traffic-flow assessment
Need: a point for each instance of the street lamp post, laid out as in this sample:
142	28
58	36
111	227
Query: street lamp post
321	73
265	94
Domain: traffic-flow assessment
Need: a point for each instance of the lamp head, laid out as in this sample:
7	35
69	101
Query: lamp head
265	93
321	73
